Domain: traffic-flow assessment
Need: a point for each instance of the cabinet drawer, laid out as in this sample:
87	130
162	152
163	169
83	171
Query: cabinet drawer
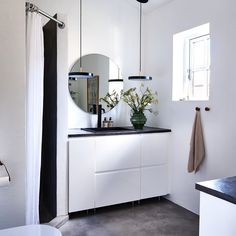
81	174
117	152
154	149
117	187
154	181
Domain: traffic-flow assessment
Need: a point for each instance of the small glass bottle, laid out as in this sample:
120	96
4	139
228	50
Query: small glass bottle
105	123
110	122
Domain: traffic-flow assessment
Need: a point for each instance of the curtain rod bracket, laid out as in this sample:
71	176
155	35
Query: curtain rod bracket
32	8
62	25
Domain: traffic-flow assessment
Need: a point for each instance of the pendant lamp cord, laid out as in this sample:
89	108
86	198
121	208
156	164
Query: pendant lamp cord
140	38
80	35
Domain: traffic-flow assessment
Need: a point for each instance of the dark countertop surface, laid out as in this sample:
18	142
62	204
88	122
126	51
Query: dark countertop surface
222	188
73	133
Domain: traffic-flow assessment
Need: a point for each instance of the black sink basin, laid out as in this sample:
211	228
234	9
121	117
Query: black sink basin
110	129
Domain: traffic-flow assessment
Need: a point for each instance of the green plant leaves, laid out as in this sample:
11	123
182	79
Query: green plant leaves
139	103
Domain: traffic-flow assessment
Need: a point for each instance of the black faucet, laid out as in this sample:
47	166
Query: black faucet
100	110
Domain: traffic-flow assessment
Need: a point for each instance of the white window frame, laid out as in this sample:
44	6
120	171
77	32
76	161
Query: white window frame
204	68
182	89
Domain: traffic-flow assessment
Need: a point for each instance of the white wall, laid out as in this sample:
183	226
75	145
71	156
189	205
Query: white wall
12	110
62	122
220	123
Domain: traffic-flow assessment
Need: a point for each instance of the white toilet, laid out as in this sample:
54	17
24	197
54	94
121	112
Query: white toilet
31	230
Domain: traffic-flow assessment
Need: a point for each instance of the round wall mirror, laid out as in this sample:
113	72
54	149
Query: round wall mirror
103	88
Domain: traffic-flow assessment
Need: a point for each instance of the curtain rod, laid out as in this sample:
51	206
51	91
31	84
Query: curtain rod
31	7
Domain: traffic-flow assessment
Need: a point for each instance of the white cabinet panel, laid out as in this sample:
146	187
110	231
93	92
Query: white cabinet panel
117	152
117	187
217	216
154	149
81	174
154	181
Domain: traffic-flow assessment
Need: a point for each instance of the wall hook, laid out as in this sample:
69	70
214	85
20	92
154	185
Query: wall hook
2	164
207	108
197	108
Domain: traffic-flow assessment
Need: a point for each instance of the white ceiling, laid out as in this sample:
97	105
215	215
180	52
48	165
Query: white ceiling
150	5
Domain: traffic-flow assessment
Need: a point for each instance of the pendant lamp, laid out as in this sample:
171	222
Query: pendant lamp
118	78
80	74
140	76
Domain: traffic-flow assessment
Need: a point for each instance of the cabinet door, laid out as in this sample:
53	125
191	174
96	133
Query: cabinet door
117	187
117	152
81	174
154	181
154	149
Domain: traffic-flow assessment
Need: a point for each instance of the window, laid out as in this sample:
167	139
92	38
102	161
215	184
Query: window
191	64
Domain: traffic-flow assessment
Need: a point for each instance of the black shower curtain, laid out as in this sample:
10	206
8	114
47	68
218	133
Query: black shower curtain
48	183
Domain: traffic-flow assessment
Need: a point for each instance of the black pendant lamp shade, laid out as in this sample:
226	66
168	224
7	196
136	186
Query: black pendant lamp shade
80	74
140	76
115	80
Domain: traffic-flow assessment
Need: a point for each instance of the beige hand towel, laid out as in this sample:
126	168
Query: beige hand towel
197	148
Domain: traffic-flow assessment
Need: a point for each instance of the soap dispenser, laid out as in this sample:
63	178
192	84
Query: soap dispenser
110	122
105	123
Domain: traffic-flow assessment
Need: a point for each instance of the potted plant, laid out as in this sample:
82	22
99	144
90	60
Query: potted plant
139	103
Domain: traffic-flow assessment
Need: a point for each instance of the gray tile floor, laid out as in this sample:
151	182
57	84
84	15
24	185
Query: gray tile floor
151	217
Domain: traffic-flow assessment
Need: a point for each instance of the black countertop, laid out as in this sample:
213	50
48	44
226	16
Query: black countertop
73	133
222	188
